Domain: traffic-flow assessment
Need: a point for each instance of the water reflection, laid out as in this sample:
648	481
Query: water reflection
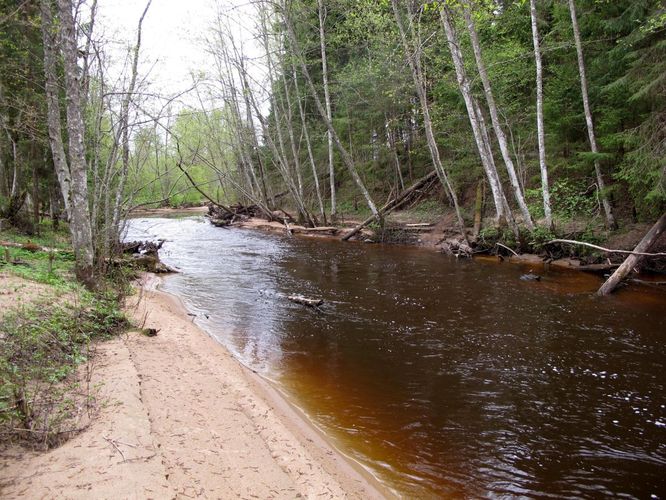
449	377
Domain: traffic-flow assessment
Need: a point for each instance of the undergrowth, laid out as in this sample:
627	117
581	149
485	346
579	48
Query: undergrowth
47	346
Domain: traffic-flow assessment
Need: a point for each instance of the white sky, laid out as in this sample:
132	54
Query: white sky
171	49
169	36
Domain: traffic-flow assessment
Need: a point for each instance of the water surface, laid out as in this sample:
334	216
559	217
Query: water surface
445	377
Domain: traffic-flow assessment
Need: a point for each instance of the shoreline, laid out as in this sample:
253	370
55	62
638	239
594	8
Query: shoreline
291	415
180	416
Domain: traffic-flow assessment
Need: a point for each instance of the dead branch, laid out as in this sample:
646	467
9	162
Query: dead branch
607	250
504	246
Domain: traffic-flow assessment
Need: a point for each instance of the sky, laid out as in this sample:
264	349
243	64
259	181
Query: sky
171	47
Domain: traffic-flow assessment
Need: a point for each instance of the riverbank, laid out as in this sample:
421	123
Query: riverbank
183	418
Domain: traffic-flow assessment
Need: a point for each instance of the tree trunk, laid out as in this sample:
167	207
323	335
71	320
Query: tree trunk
53	104
545	189
327	101
474	115
315	175
124	126
414	60
346	157
494	115
633	260
610	219
80	227
478	209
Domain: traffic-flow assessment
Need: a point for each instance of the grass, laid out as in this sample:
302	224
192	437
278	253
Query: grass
46	345
51	268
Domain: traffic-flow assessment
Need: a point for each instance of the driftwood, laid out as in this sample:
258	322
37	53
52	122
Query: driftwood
145	255
416	229
420	225
393	204
320	229
453	246
636	256
300	299
609	250
504	246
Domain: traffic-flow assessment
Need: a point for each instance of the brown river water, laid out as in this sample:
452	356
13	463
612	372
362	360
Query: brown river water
445	378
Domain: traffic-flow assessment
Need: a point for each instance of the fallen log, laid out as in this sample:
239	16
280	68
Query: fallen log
420	224
416	229
30	247
300	299
609	250
636	256
320	229
393	204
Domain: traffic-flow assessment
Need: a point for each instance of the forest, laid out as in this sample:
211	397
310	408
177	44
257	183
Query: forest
533	114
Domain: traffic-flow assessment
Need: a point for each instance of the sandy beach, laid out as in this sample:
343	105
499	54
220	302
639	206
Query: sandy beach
182	418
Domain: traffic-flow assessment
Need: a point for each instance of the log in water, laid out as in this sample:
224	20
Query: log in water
446	377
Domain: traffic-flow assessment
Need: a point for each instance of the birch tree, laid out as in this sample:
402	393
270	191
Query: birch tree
494	116
412	53
476	120
610	219
53	103
327	100
541	139
80	227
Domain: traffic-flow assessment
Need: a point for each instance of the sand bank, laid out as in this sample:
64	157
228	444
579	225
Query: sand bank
182	418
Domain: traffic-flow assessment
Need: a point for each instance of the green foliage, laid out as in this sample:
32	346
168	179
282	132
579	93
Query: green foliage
41	346
570	199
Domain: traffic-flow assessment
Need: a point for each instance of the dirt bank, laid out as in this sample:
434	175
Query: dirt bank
183	418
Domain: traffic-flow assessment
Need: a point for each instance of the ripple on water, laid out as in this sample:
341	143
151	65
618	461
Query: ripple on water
448	378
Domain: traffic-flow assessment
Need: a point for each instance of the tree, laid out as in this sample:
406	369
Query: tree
601	185
494	115
327	100
79	225
545	189
412	53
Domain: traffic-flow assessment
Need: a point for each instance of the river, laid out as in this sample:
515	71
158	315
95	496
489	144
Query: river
444	377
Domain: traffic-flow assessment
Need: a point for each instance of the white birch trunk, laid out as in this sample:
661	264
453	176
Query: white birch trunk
470	103
494	116
610	219
413	58
53	104
327	101
545	189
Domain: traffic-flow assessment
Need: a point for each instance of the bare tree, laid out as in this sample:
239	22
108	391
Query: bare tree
610	219
327	101
476	121
412	53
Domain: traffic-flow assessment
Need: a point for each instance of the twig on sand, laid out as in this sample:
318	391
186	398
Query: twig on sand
113	443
